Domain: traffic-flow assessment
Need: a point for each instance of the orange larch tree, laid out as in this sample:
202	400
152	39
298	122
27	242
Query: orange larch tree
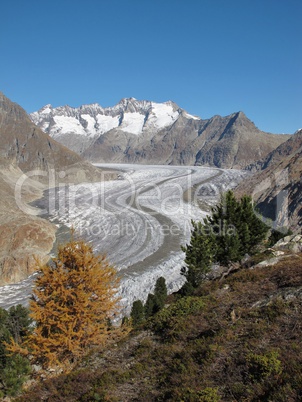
74	299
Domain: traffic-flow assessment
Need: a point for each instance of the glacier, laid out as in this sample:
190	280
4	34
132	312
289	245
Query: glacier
139	221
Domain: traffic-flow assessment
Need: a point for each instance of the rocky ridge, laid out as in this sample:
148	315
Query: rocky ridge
156	133
30	162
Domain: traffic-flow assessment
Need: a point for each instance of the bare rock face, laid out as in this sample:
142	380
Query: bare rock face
23	236
28	147
276	187
30	161
156	133
22	246
291	243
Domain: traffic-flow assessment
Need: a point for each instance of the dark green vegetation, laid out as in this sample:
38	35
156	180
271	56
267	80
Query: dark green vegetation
154	303
14	369
137	313
232	231
236	339
277	235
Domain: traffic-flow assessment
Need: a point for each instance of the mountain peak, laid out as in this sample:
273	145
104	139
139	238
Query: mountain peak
164	133
133	105
239	119
239	115
46	109
128	100
128	115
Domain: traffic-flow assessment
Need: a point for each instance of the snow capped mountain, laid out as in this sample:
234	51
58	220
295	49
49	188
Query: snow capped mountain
129	115
146	132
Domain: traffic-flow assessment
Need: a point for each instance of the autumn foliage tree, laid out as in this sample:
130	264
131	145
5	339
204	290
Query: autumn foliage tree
74	299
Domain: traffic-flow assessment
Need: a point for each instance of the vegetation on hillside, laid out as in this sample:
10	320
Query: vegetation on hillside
14	369
233	338
231	231
154	303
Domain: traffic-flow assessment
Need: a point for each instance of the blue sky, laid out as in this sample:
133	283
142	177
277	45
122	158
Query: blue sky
209	56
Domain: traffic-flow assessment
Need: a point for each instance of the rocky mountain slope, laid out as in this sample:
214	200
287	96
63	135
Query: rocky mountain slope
236	339
156	133
28	159
28	147
277	186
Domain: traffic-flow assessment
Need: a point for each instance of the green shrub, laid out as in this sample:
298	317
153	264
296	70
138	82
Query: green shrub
14	369
207	394
263	366
14	375
277	235
171	317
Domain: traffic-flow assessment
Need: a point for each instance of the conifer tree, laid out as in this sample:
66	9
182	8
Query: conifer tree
237	227
160	293
199	254
257	229
150	306
14	368
74	298
232	230
19	322
137	313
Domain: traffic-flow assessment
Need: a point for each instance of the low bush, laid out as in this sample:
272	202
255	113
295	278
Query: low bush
171	320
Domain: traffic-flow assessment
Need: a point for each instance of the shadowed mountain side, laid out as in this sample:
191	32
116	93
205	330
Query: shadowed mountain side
276	187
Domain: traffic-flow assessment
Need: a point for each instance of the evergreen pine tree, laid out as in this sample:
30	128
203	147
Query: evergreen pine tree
18	322
257	229
149	307
137	313
14	368
160	293
245	239
199	254
232	230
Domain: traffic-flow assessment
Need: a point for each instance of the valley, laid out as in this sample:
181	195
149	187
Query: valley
137	213
151	201
139	221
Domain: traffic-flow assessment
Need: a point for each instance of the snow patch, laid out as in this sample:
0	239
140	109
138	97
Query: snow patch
46	109
190	116
133	123
90	129
67	124
162	115
106	123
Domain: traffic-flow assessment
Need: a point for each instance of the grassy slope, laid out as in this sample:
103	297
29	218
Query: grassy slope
237	339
